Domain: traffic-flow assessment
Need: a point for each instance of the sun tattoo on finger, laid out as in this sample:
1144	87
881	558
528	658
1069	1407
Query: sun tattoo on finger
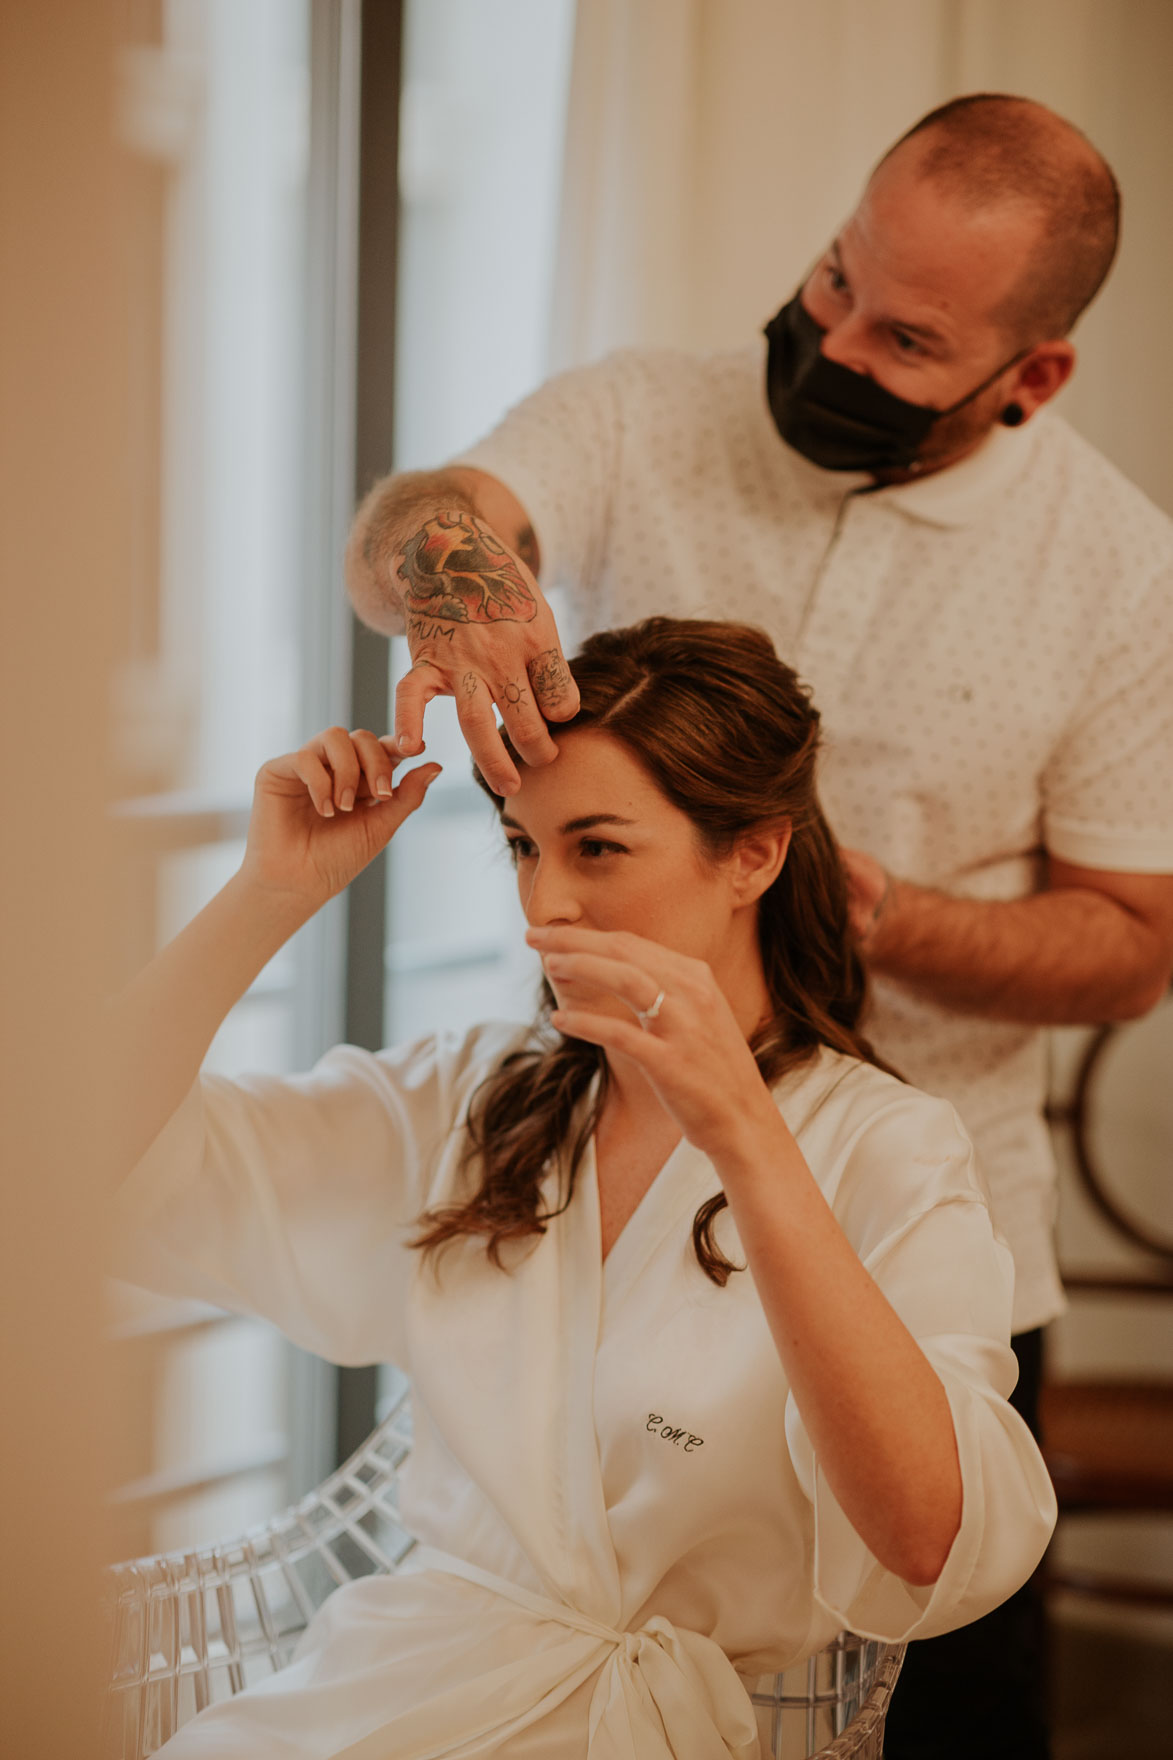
512	694
550	677
456	570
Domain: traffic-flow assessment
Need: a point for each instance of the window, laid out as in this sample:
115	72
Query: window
262	285
482	124
243	124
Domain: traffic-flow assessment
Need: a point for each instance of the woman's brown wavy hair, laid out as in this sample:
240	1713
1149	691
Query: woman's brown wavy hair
730	736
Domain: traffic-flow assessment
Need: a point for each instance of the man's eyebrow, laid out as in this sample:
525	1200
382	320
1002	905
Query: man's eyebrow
925	331
586	823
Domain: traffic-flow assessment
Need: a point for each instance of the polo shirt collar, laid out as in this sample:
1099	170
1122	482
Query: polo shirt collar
955	496
963	492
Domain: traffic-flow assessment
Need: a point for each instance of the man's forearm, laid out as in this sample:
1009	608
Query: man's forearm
1066	956
390	515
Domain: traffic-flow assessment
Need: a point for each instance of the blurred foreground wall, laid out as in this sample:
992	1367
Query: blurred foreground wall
62	479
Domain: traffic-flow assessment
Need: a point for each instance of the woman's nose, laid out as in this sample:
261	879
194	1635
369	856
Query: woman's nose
551	898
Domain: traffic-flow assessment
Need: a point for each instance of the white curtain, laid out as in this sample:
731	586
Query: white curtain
714	145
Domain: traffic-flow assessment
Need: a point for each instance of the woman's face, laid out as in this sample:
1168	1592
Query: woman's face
597	846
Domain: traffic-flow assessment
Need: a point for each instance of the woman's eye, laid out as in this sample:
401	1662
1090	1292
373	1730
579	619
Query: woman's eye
592	847
520	849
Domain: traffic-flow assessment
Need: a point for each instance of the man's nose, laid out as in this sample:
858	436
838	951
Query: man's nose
552	899
845	342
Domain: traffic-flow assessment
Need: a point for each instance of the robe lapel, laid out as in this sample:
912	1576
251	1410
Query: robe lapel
503	1362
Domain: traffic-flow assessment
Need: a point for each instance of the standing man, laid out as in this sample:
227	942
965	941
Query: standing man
981	603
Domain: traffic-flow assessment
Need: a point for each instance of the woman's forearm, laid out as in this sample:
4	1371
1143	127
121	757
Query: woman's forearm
162	1024
874	1409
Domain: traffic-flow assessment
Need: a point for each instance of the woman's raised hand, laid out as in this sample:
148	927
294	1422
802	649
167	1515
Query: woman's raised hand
321	814
678	1028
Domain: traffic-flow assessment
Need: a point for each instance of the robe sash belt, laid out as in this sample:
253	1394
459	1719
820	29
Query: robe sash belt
663	1690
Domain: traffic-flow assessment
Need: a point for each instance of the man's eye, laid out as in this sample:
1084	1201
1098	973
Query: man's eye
907	344
836	280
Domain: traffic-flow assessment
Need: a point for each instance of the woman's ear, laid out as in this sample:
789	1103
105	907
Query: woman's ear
757	861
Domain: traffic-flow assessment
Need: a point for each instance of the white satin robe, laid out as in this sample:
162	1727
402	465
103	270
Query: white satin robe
621	1517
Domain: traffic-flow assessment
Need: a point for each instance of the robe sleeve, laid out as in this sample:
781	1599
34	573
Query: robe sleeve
292	1198
951	1280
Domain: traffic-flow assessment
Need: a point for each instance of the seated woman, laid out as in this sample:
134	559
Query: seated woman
706	1325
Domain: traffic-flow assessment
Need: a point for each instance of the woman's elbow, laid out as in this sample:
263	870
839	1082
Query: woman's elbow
924	1549
925	1563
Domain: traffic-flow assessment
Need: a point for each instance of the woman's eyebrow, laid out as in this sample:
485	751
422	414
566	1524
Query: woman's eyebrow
590	820
586	823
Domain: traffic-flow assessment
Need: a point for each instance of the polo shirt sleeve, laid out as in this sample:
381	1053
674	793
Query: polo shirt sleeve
1107	793
558	451
292	1198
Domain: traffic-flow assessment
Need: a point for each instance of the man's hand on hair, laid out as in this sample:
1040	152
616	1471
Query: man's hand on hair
480	631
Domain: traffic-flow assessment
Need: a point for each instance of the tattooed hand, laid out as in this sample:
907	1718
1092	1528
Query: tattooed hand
479	630
456	570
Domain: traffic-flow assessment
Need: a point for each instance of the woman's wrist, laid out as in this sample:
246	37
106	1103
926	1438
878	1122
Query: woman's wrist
755	1138
269	915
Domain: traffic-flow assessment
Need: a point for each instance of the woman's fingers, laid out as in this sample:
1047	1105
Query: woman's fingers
637	951
632	985
339	769
377	765
410	794
611	1034
319	783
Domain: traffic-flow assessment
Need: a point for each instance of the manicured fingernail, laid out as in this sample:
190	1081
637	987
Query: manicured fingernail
327	809
347	801
383	788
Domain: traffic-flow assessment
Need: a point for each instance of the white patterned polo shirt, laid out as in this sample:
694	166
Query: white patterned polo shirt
991	649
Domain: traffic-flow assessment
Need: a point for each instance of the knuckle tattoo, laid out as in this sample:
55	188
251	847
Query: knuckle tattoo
512	693
550	677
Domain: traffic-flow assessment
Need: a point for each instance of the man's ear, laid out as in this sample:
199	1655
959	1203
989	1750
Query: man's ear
757	862
1036	379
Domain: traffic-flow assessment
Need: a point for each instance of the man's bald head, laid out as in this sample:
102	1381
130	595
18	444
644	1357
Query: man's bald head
991	150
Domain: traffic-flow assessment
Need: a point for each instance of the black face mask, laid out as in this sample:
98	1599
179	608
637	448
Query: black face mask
840	419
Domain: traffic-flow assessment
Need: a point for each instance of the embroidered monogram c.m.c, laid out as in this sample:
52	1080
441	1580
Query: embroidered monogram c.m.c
681	1438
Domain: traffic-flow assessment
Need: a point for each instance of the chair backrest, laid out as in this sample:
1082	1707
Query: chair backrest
190	1629
1108	1431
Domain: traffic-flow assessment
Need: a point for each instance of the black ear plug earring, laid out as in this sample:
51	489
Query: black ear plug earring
1012	416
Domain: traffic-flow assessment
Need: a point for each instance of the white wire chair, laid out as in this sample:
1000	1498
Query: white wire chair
188	1630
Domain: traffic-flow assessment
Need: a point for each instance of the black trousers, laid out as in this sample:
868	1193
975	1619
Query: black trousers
981	1693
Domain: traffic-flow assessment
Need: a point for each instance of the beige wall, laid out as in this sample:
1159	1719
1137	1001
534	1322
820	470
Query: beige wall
63	474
